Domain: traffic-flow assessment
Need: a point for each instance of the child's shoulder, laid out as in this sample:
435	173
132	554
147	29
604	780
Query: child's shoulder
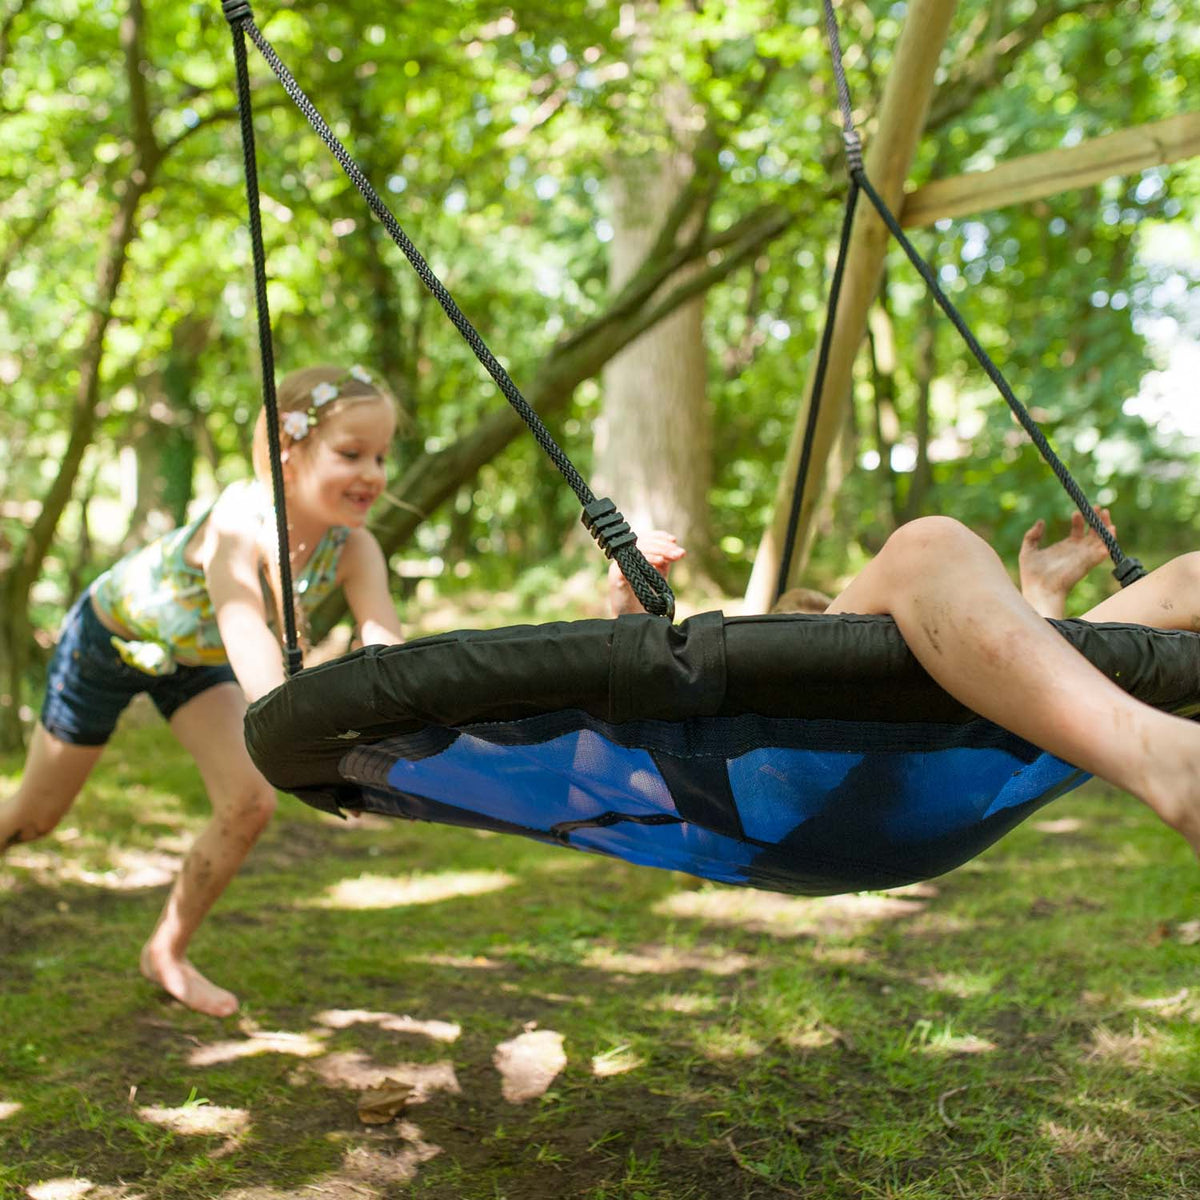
239	515
244	504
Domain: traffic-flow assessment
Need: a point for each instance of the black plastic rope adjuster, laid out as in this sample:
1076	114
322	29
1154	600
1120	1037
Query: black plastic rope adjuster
236	10
1128	571
607	526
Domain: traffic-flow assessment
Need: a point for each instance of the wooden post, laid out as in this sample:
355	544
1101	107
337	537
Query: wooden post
889	153
1033	176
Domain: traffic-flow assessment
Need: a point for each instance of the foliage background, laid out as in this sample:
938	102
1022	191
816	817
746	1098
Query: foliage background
490	130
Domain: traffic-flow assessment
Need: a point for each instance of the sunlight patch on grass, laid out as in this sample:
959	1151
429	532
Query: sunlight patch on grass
965	1043
460	962
297	1045
1126	1049
724	1045
686	1002
844	956
108	798
963	984
564	864
1062	825
174	843
198	1120
813	1037
126	869
1181	1004
789	916
343	1018
665	960
1074	1142
380	891
357	1071
928	1038
60	1189
9	1108
529	1064
620	1060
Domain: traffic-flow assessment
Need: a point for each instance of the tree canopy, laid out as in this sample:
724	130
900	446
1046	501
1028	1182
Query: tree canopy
127	346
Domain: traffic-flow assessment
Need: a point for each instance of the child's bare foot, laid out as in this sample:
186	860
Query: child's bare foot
1048	573
180	979
1173	788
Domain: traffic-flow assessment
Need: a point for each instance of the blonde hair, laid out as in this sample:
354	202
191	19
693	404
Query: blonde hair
294	394
802	600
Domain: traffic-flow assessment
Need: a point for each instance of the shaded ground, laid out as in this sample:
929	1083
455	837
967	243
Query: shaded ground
549	1024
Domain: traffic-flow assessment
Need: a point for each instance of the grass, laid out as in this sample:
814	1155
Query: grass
1026	1027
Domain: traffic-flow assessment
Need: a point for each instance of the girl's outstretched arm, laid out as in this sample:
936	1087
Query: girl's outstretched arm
364	578
230	557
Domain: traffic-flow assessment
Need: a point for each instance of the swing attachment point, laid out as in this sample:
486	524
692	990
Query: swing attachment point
605	523
236	10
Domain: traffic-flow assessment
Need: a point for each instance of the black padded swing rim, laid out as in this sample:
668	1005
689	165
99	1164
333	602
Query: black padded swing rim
844	668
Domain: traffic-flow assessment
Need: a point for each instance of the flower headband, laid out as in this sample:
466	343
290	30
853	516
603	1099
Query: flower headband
297	422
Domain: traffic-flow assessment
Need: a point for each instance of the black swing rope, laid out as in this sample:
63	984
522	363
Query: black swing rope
600	516
1125	569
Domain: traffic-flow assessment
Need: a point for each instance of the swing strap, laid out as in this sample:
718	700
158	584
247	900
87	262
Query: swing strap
613	536
1125	569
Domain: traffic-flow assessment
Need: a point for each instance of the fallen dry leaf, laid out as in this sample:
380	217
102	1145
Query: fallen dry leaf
379	1105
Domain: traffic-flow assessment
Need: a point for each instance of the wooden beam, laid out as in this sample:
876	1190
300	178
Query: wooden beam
1033	176
902	115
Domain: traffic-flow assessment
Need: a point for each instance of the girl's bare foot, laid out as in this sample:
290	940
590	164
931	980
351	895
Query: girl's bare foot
180	979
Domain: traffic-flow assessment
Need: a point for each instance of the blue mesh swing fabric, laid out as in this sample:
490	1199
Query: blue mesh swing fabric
783	808
805	754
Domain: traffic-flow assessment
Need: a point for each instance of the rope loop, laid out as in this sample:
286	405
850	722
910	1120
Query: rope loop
603	520
652	590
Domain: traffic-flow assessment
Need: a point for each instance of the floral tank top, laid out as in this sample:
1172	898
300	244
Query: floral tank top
164	603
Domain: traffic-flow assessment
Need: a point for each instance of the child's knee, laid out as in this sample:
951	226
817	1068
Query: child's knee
938	536
1186	571
254	808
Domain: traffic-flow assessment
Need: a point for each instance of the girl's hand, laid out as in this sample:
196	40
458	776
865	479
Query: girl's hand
660	550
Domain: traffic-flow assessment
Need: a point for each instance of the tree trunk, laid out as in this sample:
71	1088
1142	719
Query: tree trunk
653	439
15	583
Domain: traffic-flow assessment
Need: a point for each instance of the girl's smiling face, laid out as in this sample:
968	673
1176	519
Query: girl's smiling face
337	472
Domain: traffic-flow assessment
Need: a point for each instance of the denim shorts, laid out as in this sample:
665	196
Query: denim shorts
90	685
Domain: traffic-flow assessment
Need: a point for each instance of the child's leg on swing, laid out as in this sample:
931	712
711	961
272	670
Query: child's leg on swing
1168	598
969	627
209	727
55	771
